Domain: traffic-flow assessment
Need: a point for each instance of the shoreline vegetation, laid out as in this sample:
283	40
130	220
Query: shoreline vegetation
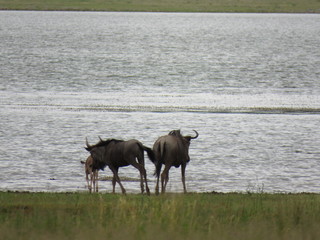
27	215
225	6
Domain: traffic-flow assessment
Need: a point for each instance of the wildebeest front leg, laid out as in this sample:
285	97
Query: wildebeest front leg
96	175
117	179
93	179
114	181
183	170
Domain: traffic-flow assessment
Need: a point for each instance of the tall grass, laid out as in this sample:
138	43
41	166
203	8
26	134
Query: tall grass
171	216
167	5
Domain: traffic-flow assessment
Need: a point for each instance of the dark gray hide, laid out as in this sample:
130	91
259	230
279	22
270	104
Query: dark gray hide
118	153
171	150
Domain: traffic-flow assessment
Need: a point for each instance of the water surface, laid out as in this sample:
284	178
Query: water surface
248	83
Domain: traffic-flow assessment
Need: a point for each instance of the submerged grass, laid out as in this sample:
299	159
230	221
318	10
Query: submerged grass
297	6
170	216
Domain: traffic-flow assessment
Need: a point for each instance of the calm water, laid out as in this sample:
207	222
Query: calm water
248	83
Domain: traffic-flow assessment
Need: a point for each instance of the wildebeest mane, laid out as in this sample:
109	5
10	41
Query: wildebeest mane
178	134
103	143
175	133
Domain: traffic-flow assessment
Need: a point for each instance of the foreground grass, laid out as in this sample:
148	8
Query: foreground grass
297	6
173	216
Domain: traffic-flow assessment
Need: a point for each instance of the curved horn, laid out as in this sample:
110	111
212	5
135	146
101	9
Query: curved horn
88	145
197	134
100	139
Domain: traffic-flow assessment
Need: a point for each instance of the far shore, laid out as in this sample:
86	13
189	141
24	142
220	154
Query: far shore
217	6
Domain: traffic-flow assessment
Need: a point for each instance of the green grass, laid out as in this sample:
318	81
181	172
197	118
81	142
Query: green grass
297	6
171	216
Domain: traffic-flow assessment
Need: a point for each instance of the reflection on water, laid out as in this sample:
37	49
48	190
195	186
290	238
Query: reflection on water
248	83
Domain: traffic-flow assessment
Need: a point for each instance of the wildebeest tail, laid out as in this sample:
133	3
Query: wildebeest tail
149	152
158	163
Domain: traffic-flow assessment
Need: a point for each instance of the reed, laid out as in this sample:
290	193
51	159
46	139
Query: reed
166	5
170	216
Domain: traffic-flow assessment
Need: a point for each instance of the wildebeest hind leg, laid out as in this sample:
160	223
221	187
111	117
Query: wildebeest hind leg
157	186
143	176
146	180
165	178
91	181
88	183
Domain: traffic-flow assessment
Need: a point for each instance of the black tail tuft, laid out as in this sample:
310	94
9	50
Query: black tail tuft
158	168
150	153
158	162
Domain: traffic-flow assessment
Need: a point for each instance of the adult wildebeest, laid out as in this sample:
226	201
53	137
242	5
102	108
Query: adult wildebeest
118	153
93	173
171	150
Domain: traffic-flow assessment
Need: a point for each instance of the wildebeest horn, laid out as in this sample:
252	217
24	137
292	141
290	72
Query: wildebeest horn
197	134
100	139
88	145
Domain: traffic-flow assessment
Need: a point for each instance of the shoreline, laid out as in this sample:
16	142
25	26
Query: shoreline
166	194
124	11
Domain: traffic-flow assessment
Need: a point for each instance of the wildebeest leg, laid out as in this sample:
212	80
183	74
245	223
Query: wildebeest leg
113	184
165	178
183	170
116	179
143	175
139	166
157	184
97	180
91	181
88	183
93	178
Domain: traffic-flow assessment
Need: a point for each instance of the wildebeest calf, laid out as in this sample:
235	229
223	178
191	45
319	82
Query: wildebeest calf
93	173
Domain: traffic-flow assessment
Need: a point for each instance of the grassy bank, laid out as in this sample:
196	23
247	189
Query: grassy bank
297	6
173	216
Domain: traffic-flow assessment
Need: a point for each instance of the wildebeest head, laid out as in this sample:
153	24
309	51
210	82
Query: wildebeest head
98	153
185	140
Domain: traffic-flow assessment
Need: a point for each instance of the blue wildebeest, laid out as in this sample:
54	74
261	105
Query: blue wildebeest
93	173
118	153
171	150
